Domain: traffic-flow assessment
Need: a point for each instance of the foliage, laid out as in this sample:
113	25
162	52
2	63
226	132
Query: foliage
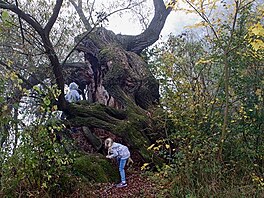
196	89
38	165
34	155
34	159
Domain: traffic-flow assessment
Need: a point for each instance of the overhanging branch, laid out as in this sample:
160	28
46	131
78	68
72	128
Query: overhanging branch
151	34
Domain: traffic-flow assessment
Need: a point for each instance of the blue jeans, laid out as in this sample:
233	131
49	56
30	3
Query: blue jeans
122	163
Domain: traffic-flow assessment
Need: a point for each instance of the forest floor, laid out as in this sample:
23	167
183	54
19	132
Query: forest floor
139	186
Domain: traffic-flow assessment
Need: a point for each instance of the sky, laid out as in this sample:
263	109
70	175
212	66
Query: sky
175	23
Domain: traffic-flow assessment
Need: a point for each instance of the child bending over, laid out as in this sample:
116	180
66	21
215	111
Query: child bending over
122	154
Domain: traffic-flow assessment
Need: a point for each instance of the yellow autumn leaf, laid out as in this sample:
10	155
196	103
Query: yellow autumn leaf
5	107
172	4
257	44
157	148
19	87
167	146
25	91
150	147
257	30
203	61
13	76
44	185
258	92
55	108
197	25
9	62
144	166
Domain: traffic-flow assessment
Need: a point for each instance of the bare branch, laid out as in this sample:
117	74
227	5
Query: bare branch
247	4
53	17
20	24
91	10
204	17
76	45
92	28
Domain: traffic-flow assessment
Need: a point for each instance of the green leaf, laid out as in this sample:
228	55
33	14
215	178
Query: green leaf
5	16
46	101
6	19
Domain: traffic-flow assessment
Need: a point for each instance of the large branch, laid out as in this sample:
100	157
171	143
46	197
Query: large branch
57	70
127	124
151	34
54	16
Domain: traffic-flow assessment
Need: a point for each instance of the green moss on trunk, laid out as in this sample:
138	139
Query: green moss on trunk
96	168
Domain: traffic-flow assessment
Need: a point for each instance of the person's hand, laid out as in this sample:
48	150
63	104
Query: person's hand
108	156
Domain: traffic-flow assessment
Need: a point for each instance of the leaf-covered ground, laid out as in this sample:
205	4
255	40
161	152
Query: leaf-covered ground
138	186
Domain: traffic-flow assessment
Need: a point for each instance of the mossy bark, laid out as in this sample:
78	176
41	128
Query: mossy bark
95	168
127	124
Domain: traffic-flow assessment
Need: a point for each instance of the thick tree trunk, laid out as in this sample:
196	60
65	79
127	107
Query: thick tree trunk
119	90
117	86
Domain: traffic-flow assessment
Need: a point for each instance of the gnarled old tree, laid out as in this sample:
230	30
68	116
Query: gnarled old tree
117	87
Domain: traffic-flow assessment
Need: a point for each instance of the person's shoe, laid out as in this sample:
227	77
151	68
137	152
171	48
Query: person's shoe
121	185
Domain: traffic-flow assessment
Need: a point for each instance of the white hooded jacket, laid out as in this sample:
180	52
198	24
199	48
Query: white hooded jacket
118	151
73	95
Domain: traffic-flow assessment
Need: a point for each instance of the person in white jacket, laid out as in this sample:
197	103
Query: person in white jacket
73	95
122	154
